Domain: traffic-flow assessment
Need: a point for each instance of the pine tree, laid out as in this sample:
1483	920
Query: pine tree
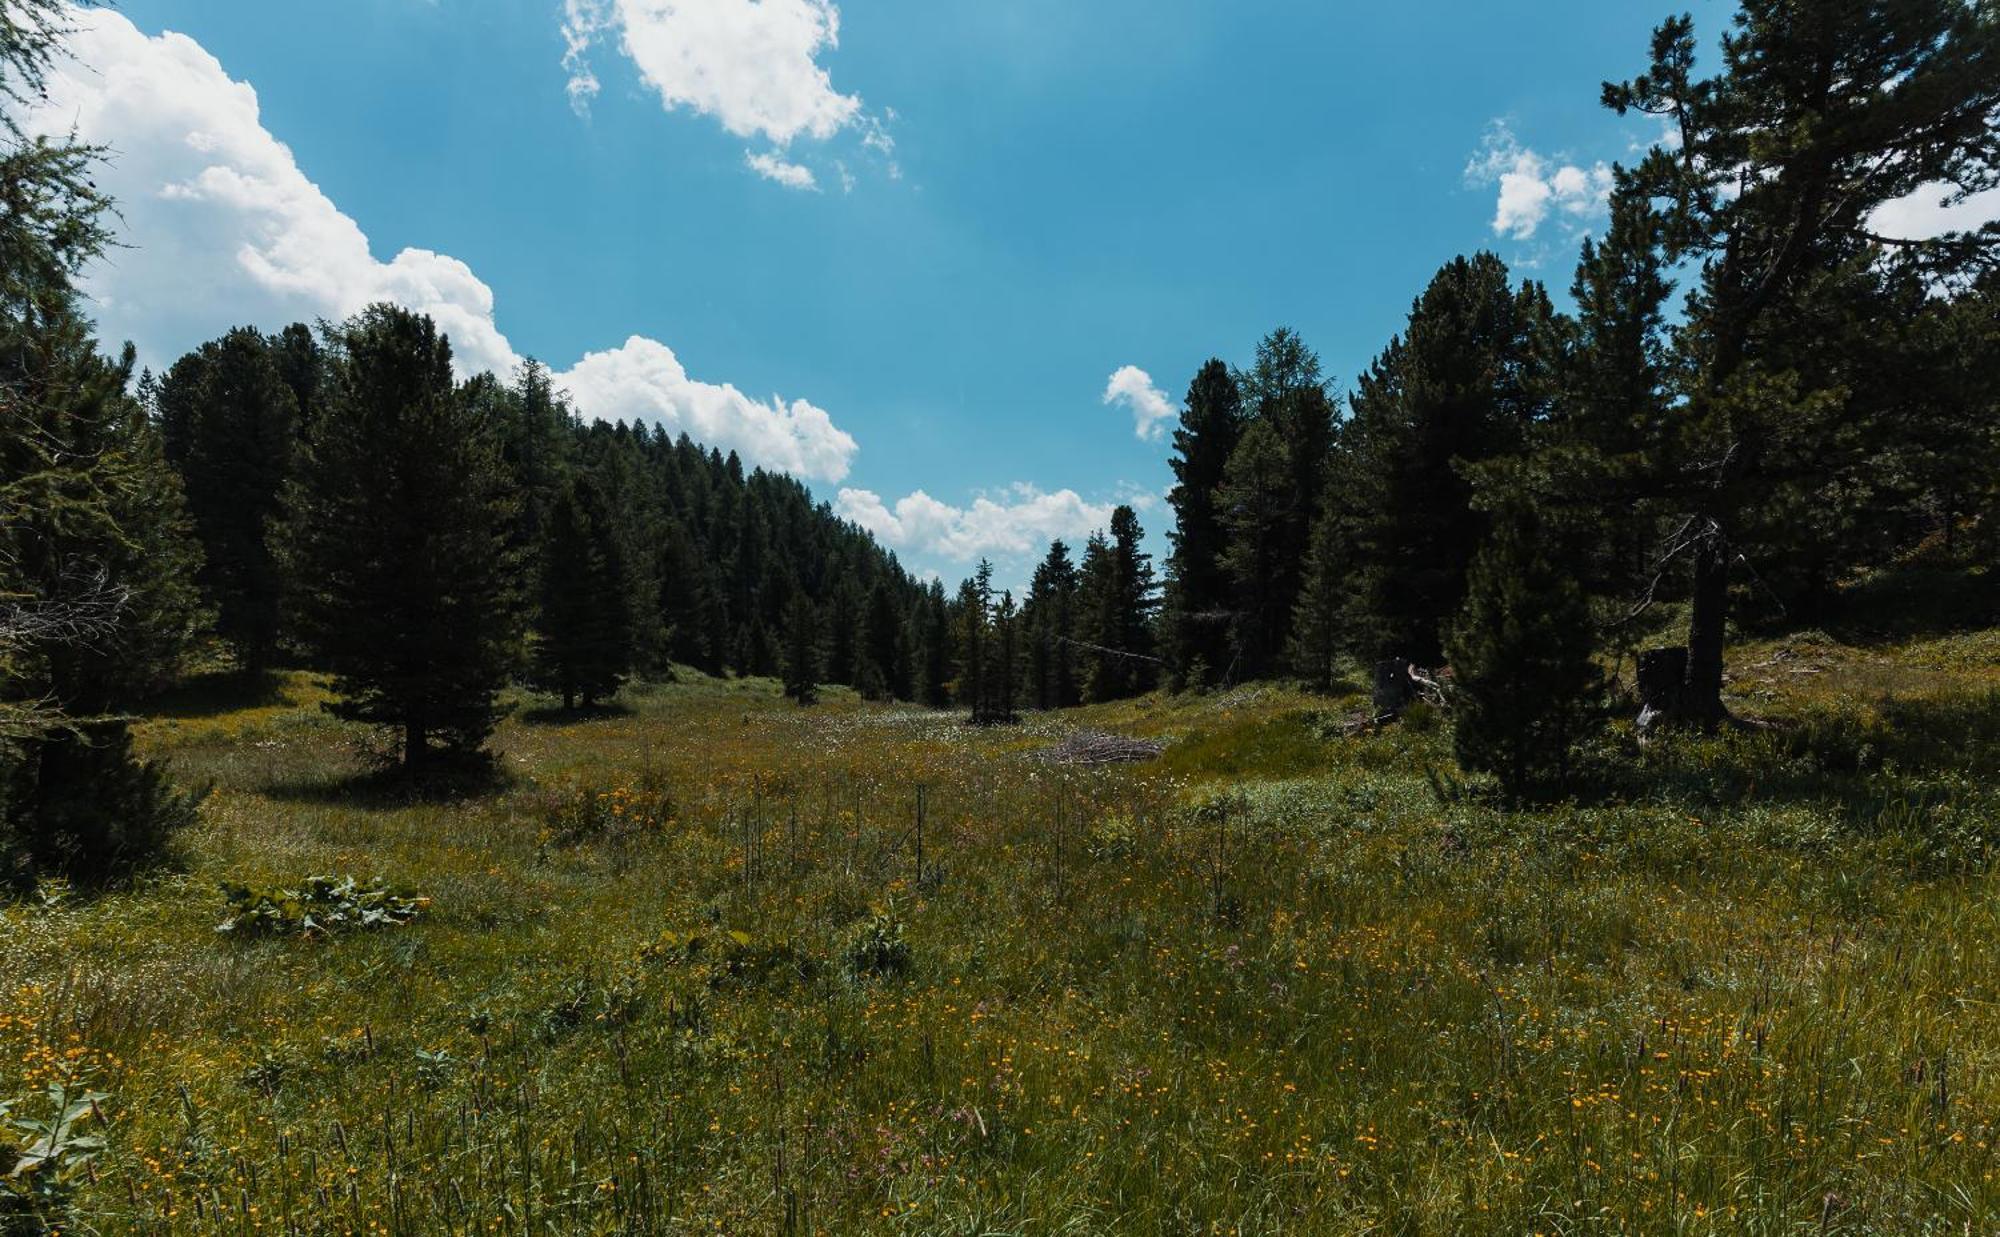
1527	689
1006	659
1256	502
229	422
885	647
1464	384
975	632
97	597
400	530
1117	599
934	615
584	620
1319	625
1050	617
1769	183
1198	591
802	650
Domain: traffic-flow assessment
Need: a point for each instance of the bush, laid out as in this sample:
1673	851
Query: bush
877	950
79	805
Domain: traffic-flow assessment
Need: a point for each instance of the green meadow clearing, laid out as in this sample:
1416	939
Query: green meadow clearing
682	969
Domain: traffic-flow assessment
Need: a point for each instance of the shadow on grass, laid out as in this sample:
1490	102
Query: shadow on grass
448	779
556	715
1915	602
216	693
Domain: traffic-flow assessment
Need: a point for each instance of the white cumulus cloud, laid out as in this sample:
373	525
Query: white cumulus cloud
1022	521
1532	186
751	64
221	227
1133	387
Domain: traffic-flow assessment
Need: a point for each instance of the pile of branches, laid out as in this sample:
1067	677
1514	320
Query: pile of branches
1091	748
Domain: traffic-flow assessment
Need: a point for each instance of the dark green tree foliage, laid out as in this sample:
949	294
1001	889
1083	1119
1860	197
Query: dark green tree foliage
1286	389
229	421
97	597
1256	503
401	530
1465	383
843	630
1199	599
885	647
1527	690
802	650
1778	164
1006	672
976	688
302	365
585	646
1319	624
1116	603
1051	621
933	619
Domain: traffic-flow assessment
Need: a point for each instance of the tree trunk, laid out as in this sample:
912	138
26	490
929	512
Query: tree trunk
1708	618
415	749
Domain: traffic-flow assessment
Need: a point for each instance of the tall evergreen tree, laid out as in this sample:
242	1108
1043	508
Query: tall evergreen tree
400	529
1772	178
1051	619
1198	602
1527	689
1256	503
585	645
1319	624
1117	599
975	637
802	650
885	647
229	421
1006	675
1464	384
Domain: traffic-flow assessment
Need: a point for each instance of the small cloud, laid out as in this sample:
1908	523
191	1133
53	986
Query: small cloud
1531	186
1133	387
790	175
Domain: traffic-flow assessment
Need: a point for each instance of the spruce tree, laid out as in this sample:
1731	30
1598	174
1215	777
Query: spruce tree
1319	624
1256	501
1116	600
229	421
975	631
1527	691
400	530
585	645
885	647
1006	659
802	650
1050	617
1198	601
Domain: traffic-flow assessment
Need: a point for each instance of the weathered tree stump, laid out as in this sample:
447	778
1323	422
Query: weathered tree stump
1394	688
1662	684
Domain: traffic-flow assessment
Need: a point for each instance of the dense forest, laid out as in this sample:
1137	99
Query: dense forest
1753	400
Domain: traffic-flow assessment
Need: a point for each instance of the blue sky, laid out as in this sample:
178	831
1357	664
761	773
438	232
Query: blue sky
1011	203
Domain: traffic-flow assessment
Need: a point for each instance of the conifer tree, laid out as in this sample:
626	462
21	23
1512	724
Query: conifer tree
1050	617
802	650
1256	502
1319	625
975	631
400	530
585	646
1006	659
1769	182
229	422
934	615
885	647
1117	599
1198	590
1526	687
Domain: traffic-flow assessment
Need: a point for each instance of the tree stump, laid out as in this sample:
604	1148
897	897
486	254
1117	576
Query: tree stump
1394	688
1662	682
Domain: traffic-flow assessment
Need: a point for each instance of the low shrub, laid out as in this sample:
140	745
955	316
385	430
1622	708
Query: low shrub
322	906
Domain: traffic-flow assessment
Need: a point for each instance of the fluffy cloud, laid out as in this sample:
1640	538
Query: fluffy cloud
1532	187
790	175
644	381
1023	521
222	227
1930	213
1133	387
751	64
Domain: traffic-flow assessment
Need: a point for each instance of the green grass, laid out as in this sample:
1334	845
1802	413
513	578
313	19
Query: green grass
1279	981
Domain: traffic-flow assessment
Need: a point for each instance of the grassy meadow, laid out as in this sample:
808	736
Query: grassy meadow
682	970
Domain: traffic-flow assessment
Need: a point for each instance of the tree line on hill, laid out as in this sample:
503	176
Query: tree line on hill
1512	489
